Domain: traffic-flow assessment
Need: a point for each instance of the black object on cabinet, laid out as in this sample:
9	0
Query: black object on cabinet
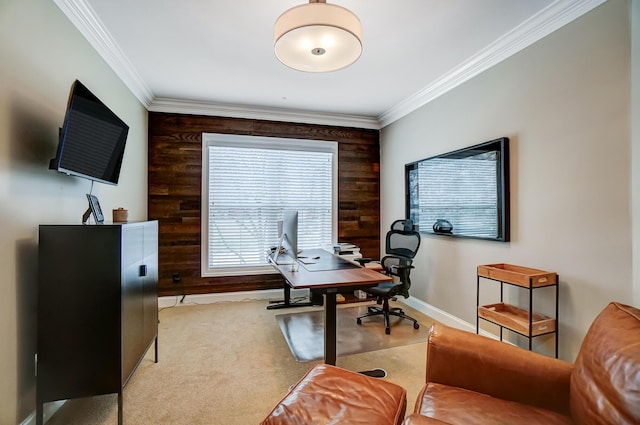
97	308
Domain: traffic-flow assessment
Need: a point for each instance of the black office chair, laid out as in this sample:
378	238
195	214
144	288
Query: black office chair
402	243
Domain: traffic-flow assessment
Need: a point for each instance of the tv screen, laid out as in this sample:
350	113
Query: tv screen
463	193
92	139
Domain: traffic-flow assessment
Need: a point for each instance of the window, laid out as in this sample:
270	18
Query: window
462	193
247	184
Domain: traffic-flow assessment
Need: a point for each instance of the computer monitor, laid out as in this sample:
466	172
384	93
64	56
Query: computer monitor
290	233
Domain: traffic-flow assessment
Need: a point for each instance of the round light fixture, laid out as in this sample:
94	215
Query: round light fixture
318	37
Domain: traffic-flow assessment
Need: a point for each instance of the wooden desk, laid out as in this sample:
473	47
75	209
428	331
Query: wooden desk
348	277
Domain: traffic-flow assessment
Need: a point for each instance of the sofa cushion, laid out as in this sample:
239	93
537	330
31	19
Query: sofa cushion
605	383
457	406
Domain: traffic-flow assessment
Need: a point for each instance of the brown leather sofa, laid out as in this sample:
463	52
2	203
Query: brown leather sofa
472	379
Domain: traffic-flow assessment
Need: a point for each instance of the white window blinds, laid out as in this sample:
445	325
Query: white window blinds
251	181
462	191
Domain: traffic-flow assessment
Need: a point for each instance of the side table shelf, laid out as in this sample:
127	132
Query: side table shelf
525	322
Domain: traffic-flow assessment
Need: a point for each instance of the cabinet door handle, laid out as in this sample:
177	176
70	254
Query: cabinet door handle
143	270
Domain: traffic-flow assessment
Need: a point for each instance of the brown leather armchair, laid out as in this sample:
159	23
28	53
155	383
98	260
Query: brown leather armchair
472	379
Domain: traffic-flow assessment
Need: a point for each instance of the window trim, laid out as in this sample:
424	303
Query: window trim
262	142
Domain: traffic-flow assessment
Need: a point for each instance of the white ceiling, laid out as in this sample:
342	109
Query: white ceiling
216	56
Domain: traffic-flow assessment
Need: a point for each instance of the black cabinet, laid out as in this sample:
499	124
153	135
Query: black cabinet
97	308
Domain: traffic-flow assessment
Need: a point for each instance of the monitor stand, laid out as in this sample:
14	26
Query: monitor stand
315	300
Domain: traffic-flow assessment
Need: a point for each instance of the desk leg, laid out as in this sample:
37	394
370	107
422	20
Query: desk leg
330	328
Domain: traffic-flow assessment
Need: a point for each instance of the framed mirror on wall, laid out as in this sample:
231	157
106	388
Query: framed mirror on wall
464	193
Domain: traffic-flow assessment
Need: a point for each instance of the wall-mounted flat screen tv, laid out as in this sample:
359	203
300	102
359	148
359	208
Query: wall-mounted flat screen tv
464	193
92	139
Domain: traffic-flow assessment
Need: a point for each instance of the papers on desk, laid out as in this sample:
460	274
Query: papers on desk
345	248
347	251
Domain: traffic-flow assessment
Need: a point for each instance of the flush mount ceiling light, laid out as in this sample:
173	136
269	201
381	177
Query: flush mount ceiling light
318	37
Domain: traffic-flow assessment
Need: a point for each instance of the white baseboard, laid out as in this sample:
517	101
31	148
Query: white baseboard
437	314
443	317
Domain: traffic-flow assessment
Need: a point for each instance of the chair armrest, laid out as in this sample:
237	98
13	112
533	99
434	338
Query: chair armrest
416	419
477	363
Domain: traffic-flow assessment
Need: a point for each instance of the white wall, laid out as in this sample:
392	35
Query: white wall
564	104
635	143
41	54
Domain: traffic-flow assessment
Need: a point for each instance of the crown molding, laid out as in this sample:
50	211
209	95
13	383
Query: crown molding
82	15
253	112
551	18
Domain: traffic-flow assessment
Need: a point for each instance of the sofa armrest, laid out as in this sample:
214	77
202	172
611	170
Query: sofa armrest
477	363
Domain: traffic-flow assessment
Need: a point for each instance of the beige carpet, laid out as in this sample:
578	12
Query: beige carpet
227	364
304	333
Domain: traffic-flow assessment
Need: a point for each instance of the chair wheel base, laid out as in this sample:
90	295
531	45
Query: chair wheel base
387	313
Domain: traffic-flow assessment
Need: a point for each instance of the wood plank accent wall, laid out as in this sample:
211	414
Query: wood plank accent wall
174	196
